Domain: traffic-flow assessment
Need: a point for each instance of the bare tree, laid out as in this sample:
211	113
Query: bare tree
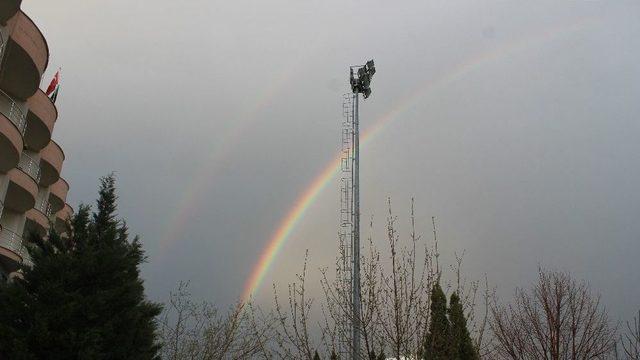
395	295
395	309
405	286
396	286
337	306
631	339
479	327
290	335
472	296
191	330
559	318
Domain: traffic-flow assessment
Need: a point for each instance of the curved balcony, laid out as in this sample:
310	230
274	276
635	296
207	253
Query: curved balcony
37	219
12	126
8	8
30	166
44	207
41	117
51	159
58	195
62	217
26	55
11	249
23	186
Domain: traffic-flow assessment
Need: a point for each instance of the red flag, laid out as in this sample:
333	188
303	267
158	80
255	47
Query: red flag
54	83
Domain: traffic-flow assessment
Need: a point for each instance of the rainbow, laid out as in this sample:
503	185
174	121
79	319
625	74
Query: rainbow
188	204
308	197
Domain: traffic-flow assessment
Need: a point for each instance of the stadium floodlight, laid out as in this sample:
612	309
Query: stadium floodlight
361	81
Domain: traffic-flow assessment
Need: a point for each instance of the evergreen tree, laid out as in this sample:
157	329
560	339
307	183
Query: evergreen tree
83	298
461	345
316	356
334	356
438	340
380	356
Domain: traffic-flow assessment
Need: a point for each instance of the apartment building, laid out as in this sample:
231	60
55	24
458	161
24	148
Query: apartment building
32	192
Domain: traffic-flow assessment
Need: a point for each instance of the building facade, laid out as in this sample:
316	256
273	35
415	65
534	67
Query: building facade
32	192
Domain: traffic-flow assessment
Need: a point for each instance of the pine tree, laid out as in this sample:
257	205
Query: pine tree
316	356
461	345
438	340
83	298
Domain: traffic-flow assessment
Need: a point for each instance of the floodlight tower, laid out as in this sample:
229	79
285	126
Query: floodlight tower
360	79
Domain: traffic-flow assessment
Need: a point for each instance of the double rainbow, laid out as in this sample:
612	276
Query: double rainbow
330	171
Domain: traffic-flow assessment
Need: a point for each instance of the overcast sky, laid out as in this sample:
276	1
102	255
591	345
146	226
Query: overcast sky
516	125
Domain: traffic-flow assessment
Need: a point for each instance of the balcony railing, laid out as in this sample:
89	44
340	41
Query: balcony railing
44	206
30	166
11	241
2	45
13	112
26	258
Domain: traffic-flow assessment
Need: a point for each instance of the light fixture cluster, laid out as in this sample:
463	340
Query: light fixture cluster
361	80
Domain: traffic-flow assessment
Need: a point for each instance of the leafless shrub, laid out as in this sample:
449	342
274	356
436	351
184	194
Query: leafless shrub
290	335
476	302
631	339
559	318
404	290
479	327
191	330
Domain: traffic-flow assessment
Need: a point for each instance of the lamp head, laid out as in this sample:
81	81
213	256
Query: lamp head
361	83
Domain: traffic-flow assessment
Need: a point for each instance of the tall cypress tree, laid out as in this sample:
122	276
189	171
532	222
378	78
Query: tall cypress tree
437	343
380	356
461	344
83	298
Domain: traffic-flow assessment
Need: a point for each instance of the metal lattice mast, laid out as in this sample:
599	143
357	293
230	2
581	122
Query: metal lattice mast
349	269
345	270
355	311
